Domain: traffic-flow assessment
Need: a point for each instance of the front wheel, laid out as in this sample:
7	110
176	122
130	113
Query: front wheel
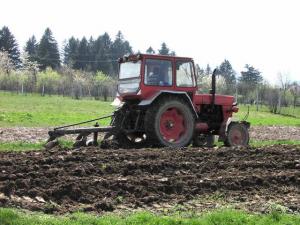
170	122
237	135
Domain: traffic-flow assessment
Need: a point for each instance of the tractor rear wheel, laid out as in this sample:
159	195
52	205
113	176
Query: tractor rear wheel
237	135
169	122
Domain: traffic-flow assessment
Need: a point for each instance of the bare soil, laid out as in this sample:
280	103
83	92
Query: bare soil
35	135
92	179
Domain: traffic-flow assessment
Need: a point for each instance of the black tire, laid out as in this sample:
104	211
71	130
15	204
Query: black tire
204	140
237	135
153	122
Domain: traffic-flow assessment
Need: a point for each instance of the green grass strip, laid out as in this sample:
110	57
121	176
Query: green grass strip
219	217
24	146
255	143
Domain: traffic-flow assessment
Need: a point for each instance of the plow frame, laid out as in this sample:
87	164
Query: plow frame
83	132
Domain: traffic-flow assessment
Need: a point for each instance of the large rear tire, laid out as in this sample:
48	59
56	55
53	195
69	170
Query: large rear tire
169	122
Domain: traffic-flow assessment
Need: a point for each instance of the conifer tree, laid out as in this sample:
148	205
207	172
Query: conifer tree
150	50
31	48
48	53
71	52
9	44
164	50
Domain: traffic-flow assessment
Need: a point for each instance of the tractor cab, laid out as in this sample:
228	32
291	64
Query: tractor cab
142	76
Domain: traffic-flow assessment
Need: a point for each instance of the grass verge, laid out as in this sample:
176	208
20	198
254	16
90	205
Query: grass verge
255	143
220	217
23	146
264	118
33	110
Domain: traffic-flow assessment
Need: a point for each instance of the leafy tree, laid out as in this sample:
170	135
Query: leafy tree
71	51
30	67
150	50
31	48
48	53
6	64
295	91
103	86
48	81
8	43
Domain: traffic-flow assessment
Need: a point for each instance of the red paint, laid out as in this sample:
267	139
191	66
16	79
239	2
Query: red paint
147	91
172	125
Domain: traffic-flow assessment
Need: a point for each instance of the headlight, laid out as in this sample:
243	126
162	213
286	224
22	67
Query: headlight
129	86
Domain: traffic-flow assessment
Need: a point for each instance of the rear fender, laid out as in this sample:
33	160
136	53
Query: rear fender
149	101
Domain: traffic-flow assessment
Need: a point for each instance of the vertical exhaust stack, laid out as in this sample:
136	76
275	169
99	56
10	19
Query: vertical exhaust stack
213	87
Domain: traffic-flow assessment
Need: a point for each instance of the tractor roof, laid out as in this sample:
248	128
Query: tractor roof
134	57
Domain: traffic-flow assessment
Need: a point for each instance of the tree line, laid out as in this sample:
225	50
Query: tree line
250	87
88	67
91	54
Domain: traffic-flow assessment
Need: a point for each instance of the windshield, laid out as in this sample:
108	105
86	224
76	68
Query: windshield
130	69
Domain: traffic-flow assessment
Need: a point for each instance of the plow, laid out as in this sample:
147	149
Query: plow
158	104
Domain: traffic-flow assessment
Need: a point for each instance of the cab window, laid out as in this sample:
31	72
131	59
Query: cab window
158	72
184	74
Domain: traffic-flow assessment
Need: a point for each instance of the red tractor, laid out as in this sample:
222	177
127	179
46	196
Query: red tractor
158	105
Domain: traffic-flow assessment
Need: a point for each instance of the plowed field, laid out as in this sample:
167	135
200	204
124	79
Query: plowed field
92	179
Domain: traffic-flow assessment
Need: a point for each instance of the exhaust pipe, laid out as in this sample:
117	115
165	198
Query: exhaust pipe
213	87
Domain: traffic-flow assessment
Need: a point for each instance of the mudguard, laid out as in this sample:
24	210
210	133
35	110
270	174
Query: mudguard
184	94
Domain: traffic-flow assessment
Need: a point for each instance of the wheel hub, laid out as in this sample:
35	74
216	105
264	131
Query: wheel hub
172	125
237	137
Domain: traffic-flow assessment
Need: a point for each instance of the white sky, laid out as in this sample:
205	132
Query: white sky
263	33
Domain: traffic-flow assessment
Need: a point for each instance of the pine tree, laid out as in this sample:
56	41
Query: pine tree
31	48
251	76
103	54
150	50
71	52
226	71
48	53
249	80
92	53
164	50
208	70
120	47
8	44
83	55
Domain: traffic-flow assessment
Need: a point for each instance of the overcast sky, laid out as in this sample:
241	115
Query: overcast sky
263	33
